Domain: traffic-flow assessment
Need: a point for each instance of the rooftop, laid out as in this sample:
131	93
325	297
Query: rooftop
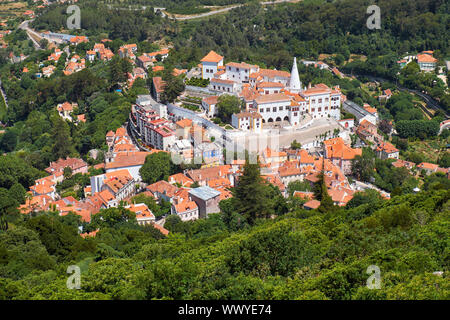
212	57
205	193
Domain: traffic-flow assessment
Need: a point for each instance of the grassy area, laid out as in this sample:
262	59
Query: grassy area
430	150
191	107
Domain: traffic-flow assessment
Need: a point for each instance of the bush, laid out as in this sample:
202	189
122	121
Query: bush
197	82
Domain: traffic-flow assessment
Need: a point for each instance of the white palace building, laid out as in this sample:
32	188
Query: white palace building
269	95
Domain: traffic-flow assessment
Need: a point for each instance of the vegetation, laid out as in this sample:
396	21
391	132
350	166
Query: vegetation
158	166
299	255
173	86
197	82
227	105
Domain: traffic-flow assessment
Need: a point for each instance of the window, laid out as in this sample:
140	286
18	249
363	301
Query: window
320	100
326	99
313	101
266	92
320	109
261	110
280	108
313	109
274	109
295	114
267	109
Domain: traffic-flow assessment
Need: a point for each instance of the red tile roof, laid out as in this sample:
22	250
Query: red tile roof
212	57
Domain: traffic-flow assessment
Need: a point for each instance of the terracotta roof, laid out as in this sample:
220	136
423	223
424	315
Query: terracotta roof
66	106
429	166
387	147
313	204
207	174
60	164
144	58
269	153
425	58
181	179
81	117
273	73
270	85
241	65
276	97
163	187
157	68
161	229
316	90
184	123
117	183
158	83
105	196
289	171
212	57
128	160
121	132
211	100
304	195
176	72
141	210
370	109
185	206
219	182
161	52
336	148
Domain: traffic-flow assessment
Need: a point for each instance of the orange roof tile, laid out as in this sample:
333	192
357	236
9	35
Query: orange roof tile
313	204
212	57
128	160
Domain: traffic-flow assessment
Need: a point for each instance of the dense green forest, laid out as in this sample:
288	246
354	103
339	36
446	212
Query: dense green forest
271	35
299	255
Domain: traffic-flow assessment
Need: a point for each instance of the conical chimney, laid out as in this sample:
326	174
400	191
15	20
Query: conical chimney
295	85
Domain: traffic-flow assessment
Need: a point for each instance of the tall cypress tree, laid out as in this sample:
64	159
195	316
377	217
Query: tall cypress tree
251	194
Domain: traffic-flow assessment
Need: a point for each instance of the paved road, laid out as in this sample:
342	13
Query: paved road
210	13
206	14
24	26
359	185
431	103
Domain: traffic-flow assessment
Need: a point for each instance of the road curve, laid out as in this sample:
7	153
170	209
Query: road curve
210	13
24	26
431	103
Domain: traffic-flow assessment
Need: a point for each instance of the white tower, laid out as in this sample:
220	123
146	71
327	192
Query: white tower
295	86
